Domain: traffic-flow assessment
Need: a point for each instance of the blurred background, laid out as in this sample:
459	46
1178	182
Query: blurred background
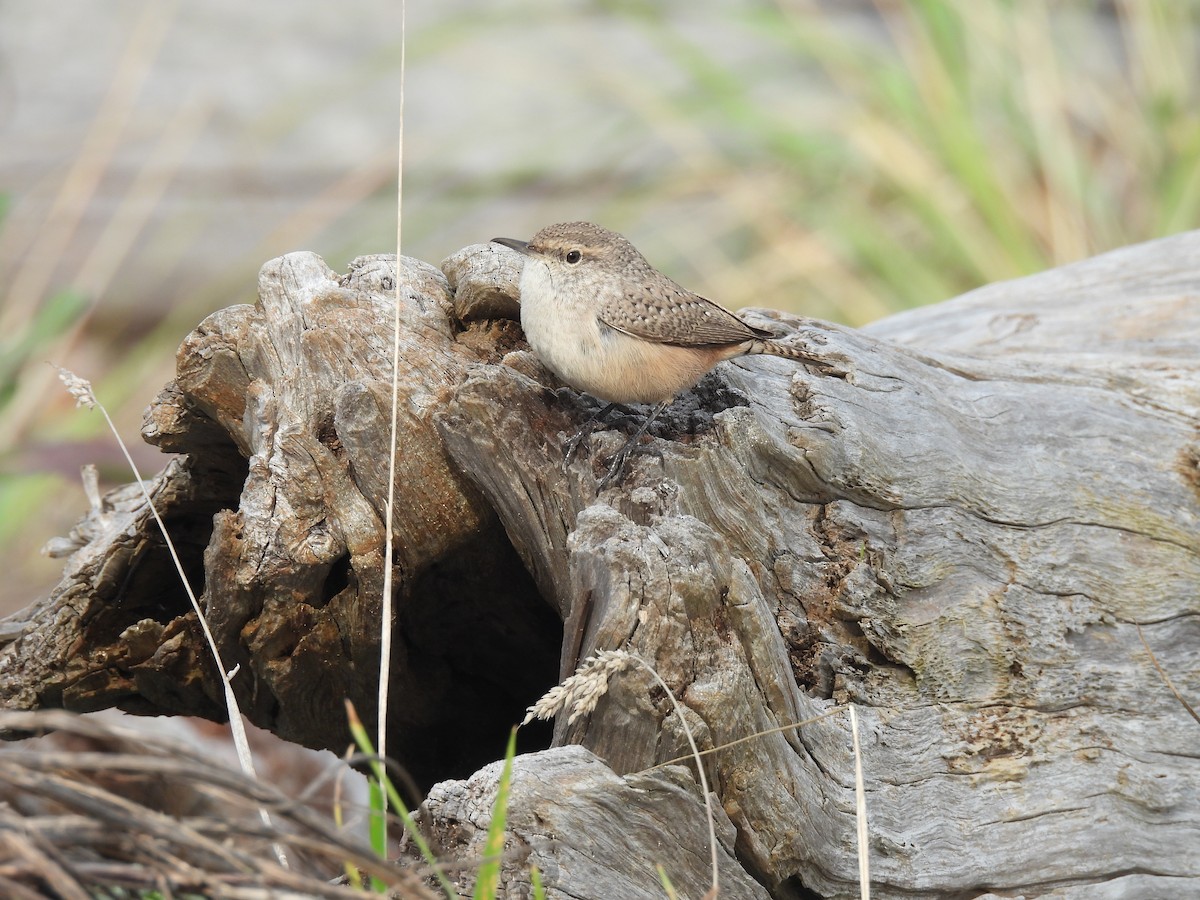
842	159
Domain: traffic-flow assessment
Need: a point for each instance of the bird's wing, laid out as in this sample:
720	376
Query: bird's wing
670	314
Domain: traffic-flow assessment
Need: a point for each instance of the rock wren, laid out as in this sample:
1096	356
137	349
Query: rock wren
607	322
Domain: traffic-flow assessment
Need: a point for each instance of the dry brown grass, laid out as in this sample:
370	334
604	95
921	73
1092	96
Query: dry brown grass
155	815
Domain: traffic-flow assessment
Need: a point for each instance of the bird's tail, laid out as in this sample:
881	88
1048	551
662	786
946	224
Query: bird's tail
787	351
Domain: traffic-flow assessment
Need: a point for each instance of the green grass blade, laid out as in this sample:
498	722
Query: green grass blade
665	881
363	741
487	882
51	321
377	827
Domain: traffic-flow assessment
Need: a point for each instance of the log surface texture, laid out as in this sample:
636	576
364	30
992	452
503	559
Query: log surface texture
957	526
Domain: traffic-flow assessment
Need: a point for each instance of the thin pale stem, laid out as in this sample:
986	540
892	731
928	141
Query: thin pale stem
385	625
860	813
236	726
791	726
712	829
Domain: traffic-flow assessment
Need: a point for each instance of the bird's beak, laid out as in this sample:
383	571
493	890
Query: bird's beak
513	243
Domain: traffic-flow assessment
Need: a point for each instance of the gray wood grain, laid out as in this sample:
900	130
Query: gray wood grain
560	794
957	526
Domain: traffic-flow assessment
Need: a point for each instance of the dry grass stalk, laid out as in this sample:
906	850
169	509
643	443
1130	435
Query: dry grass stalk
61	832
579	693
81	390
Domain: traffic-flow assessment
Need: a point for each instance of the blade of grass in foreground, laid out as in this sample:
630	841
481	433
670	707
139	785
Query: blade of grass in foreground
487	881
377	833
665	881
363	741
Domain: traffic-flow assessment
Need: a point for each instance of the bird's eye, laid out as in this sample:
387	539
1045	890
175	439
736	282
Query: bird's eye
573	256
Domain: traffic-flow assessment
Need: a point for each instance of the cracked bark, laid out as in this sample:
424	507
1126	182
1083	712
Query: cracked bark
956	529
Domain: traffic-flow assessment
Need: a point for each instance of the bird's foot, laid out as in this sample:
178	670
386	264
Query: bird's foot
619	462
616	467
581	438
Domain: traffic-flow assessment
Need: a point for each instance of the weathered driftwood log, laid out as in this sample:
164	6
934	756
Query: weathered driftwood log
958	528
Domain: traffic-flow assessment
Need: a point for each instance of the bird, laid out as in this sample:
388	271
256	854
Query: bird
608	323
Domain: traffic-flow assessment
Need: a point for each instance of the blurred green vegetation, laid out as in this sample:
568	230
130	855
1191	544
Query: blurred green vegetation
859	165
954	144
